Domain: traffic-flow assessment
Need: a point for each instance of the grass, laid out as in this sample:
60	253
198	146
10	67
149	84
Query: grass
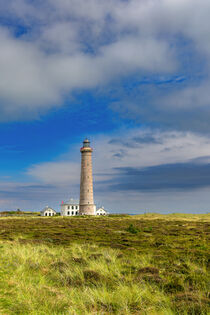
111	265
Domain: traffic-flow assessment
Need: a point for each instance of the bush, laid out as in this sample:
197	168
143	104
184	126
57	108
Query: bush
132	229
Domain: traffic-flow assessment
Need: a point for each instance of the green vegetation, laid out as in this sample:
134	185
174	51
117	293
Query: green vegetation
146	264
132	229
18	213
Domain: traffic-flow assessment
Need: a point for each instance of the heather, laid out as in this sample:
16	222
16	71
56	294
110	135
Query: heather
146	264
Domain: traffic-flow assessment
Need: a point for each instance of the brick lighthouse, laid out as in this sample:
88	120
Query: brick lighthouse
86	203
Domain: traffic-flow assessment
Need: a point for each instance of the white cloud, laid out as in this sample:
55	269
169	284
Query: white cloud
24	87
135	148
170	17
30	196
32	81
190	98
59	173
84	44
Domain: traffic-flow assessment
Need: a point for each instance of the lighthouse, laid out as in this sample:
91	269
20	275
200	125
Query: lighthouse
86	204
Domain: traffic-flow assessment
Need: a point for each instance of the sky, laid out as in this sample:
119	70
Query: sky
132	76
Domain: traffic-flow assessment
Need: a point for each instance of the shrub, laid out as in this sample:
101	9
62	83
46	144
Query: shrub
132	229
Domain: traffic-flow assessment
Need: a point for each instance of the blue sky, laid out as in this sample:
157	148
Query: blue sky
133	76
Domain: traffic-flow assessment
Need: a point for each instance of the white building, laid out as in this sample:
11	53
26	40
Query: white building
71	208
101	211
47	212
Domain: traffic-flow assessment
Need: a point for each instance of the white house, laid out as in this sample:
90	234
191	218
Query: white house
71	208
47	212
101	211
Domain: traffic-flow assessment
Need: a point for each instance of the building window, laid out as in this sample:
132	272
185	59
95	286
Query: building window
68	212
46	214
72	207
72	213
68	207
76	207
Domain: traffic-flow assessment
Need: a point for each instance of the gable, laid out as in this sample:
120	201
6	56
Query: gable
48	210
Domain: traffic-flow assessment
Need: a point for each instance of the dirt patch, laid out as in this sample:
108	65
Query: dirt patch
79	260
95	256
173	287
149	270
93	276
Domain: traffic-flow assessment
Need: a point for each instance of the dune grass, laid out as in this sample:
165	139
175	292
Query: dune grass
117	265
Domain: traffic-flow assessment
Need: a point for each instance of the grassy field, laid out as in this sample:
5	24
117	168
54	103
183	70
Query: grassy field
146	264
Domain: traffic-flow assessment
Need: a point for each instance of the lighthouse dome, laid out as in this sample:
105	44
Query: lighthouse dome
86	143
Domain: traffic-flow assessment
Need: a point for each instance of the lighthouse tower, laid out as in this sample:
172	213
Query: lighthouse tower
86	204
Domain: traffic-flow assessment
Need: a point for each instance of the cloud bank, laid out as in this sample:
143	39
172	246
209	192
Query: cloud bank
135	162
51	49
134	170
